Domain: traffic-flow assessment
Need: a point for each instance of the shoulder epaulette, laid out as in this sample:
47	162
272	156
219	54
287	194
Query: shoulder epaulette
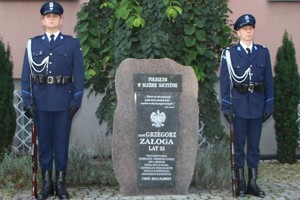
69	36
38	36
230	47
262	46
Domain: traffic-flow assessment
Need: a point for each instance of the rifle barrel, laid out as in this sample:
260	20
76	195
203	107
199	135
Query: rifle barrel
232	159
34	162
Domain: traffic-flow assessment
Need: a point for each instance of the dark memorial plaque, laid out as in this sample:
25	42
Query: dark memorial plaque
157	100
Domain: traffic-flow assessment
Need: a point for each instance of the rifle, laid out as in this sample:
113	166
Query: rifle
232	150
34	162
232	159
33	131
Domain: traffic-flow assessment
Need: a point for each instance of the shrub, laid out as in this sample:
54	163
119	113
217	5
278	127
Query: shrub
7	112
88	170
16	171
212	169
287	96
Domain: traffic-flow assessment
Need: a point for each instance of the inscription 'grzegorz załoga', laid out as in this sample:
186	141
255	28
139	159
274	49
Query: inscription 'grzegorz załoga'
158	141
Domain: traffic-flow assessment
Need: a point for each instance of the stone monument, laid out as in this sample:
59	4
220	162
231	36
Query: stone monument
155	129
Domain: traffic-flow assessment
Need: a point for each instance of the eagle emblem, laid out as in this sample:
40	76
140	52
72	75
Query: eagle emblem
158	119
247	18
51	5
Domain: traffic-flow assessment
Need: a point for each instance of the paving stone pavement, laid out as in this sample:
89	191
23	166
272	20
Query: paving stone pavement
274	191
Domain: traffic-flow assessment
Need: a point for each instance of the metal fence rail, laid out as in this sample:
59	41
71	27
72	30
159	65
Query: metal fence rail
202	139
22	138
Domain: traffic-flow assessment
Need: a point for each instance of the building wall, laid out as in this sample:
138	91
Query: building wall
272	20
20	20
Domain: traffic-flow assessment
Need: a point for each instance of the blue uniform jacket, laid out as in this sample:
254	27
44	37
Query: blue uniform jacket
65	58
249	105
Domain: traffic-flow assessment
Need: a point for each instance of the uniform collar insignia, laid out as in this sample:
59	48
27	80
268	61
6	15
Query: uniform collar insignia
255	47
43	38
239	48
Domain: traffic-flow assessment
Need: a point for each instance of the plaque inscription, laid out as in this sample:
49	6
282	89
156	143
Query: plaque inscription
157	100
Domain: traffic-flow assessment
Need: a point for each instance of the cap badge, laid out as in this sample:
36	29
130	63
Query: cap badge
51	5
247	18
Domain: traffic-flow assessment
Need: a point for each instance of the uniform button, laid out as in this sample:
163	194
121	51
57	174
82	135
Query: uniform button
50	54
50	72
50	63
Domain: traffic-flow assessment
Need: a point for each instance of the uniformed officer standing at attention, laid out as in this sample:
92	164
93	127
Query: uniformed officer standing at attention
247	93
52	89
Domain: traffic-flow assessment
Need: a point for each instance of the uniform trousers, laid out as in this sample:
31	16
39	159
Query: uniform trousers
247	131
53	133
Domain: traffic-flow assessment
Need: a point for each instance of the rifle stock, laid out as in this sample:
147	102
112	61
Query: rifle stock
34	162
232	159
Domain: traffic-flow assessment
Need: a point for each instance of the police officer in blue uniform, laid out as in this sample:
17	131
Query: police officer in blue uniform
52	90
247	98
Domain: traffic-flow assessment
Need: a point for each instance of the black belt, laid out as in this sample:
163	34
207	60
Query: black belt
244	88
41	79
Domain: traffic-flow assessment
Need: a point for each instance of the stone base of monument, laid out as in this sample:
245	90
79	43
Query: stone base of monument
155	130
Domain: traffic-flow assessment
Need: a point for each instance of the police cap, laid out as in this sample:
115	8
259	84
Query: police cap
51	7
244	20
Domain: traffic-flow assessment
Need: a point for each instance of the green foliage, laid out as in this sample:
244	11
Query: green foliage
7	112
212	171
93	24
16	172
108	104
287	96
89	171
212	168
190	32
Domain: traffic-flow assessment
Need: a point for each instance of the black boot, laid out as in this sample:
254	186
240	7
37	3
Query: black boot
252	188
60	185
241	183
47	189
